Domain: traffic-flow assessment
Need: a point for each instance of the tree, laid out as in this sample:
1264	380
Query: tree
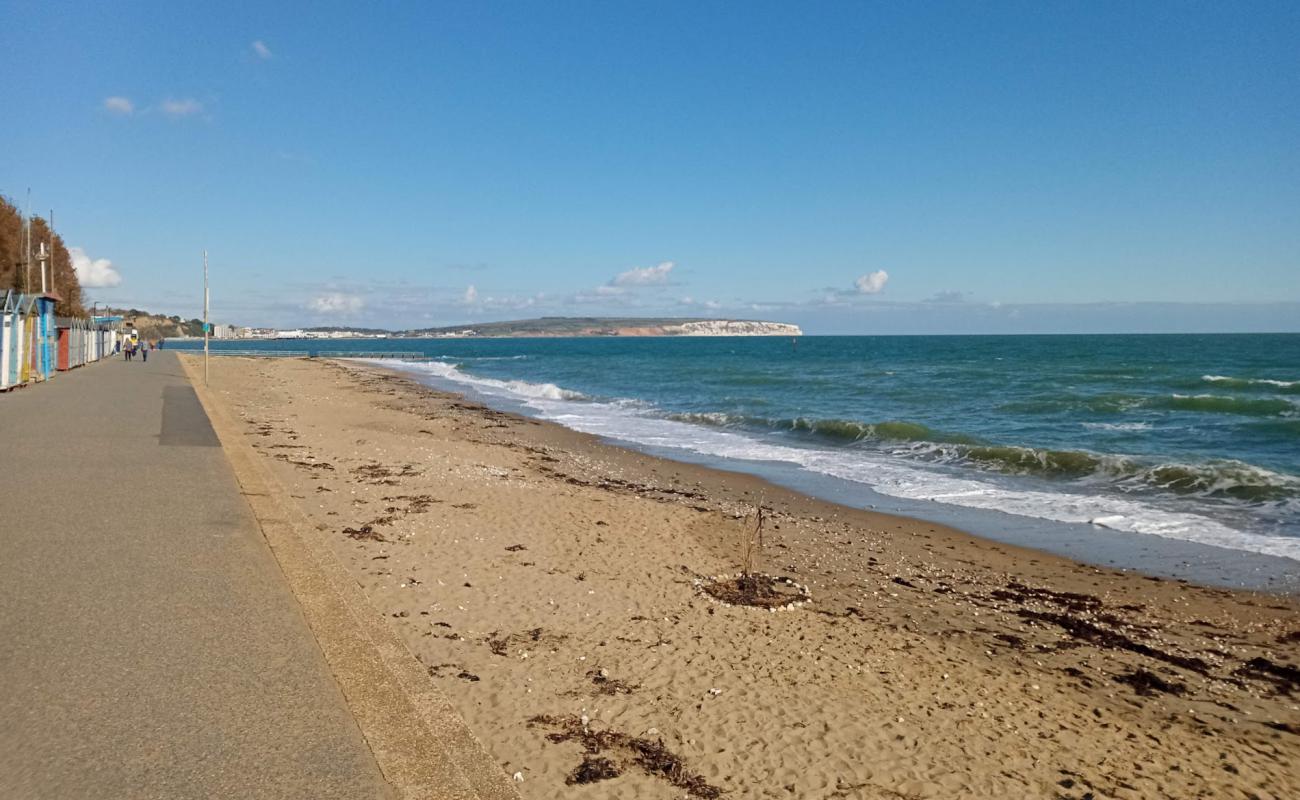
61	278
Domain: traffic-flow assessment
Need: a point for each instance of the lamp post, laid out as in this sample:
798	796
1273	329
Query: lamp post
205	317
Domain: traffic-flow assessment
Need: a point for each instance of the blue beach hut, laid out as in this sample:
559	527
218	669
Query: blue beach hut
47	335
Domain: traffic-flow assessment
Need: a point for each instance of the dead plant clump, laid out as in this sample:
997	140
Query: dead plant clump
651	756
750	587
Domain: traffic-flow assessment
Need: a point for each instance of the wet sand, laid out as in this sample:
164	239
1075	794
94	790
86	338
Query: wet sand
556	588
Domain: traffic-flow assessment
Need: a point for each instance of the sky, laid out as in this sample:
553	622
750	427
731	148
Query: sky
851	167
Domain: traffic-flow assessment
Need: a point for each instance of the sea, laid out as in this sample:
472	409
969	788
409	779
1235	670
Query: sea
1172	454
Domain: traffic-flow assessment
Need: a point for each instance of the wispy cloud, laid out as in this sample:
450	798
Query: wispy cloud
947	296
261	50
119	105
657	275
471	295
93	273
185	107
872	282
711	305
336	303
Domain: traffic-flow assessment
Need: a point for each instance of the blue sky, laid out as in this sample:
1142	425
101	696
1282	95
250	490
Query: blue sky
852	167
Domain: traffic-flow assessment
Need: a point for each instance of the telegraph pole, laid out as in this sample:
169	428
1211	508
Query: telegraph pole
205	317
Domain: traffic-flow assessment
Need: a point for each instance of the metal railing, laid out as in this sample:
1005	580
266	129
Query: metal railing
407	356
248	353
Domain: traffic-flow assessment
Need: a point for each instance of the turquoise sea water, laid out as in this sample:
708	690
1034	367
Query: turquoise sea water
1191	437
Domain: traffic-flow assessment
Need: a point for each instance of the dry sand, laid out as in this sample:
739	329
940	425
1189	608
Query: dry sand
542	575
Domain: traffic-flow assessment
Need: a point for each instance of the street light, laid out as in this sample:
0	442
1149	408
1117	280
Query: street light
205	318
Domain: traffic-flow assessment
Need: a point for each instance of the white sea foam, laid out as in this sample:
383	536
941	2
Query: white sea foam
885	474
1250	381
1118	426
523	389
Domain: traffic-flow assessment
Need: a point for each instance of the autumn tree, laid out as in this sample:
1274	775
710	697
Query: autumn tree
61	278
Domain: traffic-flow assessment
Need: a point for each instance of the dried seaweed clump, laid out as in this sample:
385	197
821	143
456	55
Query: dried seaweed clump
651	756
592	769
1148	684
755	589
366	533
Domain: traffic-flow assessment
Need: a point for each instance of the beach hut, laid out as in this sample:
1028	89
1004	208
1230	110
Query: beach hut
47	335
73	339
108	334
28	338
18	352
10	335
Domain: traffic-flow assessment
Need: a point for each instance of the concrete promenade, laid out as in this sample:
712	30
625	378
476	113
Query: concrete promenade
149	645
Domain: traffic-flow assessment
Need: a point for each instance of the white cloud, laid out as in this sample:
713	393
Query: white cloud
93	273
336	303
645	276
181	108
119	105
872	282
261	50
712	305
471	295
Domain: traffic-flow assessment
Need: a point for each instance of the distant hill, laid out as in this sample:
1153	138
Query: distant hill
155	326
616	326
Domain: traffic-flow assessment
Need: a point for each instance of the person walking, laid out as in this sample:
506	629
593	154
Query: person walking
144	352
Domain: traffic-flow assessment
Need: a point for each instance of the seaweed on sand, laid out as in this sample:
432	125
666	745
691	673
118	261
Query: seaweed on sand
755	589
607	685
651	756
1284	677
366	533
1073	601
592	769
1097	636
1148	684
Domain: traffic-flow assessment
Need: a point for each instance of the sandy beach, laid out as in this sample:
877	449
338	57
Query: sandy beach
556	589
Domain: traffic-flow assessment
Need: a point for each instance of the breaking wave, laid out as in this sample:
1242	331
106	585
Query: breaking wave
1224	479
1258	384
1121	403
542	391
1225	404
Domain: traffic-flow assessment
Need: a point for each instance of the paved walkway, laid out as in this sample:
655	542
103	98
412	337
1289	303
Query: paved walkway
149	646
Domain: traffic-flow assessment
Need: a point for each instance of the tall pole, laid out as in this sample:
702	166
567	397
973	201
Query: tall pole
49	234
205	317
27	244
